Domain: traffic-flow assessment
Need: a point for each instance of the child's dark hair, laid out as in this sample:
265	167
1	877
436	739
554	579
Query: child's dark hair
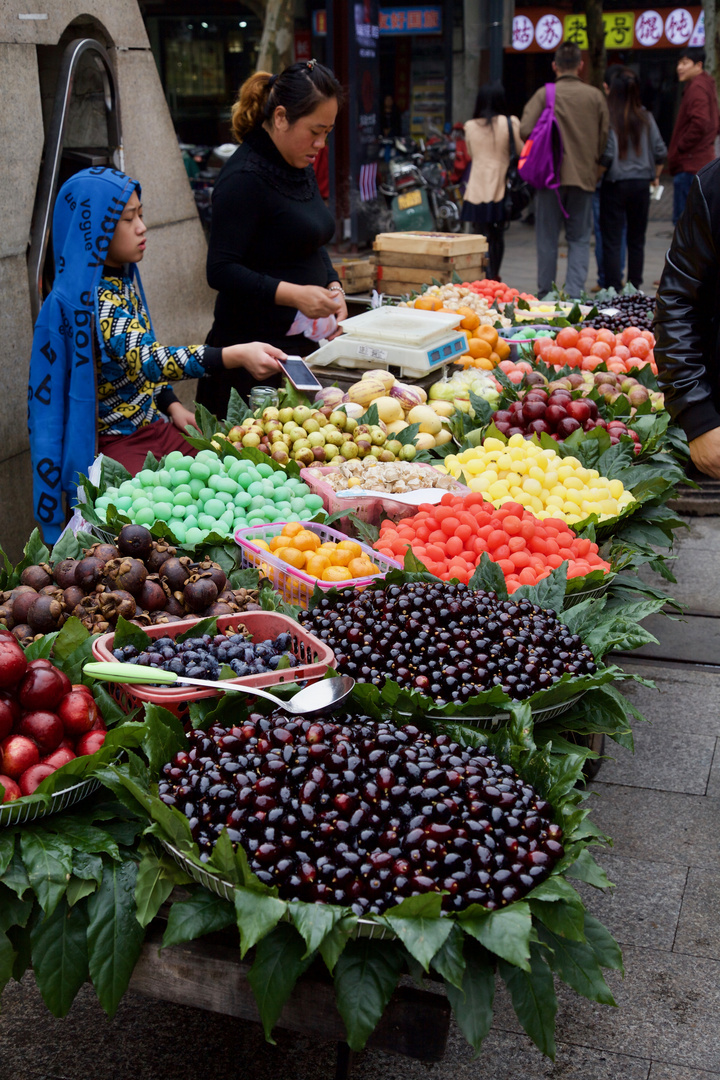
490	102
299	89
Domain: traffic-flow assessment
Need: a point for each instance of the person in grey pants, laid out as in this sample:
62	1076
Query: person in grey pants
582	116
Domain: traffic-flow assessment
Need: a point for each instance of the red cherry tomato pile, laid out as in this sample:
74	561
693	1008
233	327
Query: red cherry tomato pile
45	721
588	348
496	290
450	538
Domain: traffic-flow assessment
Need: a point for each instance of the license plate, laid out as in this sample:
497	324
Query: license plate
411	198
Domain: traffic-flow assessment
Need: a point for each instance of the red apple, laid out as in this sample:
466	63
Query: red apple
536	394
579	410
66	744
554	414
593	408
13	664
12	791
34	776
567	426
18	753
515	431
89	743
503	426
59	757
99	724
44	728
78	713
533	410
41	688
9	715
503	415
81	686
538	427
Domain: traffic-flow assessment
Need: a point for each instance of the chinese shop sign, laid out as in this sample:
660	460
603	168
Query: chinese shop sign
644	28
423	19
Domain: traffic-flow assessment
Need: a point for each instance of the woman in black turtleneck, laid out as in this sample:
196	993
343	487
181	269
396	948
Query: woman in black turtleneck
266	256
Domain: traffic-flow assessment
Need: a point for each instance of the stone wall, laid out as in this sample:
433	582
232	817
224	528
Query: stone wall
174	267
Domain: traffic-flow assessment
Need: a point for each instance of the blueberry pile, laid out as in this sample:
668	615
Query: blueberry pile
636	310
202	657
447	641
364	813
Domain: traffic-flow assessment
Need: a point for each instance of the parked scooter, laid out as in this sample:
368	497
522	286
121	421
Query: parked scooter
415	188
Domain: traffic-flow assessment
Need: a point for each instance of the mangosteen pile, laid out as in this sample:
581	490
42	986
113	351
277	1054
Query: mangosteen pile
140	578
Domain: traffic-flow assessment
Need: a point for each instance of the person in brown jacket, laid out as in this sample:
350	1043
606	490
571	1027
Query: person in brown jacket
582	115
693	139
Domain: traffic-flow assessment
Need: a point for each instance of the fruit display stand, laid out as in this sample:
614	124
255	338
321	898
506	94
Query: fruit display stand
407	260
93	894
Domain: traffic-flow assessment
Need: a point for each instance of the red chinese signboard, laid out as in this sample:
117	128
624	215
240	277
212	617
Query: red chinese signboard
543	29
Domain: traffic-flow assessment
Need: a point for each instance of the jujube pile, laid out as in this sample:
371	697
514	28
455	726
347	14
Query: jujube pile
362	813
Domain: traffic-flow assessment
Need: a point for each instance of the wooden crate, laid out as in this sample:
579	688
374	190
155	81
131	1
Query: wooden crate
430	243
448	263
424	275
355	275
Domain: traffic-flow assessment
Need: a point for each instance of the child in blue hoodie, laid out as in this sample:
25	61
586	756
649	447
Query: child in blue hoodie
99	379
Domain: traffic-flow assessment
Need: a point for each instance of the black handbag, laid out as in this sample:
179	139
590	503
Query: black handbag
518	192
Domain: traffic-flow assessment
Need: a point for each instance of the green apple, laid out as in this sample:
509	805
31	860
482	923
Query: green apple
331	451
316	438
377	435
311	425
301	413
271	413
394	446
284	415
407	452
251	439
333	436
349	450
339	419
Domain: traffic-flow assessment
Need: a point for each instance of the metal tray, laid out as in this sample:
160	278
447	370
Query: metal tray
493	719
366	928
20	812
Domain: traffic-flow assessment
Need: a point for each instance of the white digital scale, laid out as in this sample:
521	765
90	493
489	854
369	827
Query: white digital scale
408	339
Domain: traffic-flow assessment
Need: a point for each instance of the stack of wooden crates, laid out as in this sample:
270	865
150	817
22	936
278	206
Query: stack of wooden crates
355	275
405	261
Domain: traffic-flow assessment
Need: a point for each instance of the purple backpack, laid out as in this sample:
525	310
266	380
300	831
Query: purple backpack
542	153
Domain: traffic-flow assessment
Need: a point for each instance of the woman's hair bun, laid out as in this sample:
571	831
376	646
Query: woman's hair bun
298	89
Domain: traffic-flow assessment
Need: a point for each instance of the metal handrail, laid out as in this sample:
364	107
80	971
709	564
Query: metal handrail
49	172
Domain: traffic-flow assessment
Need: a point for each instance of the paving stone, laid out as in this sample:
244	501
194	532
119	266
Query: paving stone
668	1010
669	827
698	931
687	698
658	1071
668	760
695	639
633	913
713	788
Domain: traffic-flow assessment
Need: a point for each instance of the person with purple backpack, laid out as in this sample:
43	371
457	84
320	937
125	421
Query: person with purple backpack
566	125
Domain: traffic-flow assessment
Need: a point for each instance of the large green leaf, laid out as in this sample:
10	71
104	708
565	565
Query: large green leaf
472	1004
417	922
366	975
315	921
335	941
604	946
505	932
83	837
114	935
533	998
257	914
155	882
164	736
48	861
16	876
13	910
7	847
574	962
280	958
586	869
450	961
60	956
203	913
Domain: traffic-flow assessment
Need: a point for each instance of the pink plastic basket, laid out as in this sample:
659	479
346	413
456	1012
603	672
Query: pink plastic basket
295	586
313	655
373	511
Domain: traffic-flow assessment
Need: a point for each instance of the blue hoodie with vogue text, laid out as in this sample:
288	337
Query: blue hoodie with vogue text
62	408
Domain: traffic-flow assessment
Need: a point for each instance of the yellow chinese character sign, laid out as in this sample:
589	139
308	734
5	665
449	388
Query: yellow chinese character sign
619	29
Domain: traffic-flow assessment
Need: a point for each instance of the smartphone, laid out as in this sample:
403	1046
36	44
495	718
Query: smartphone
300	374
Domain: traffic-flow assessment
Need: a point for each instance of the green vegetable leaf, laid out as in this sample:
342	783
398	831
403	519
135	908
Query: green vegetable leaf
237	410
407	435
574	962
153	886
604	946
206	421
472	1004
114	935
366	975
203	913
48	861
127	633
60	956
548	593
335	941
533	998
418	924
7	848
505	932
203	626
164	736
280	959
257	914
82	837
13	910
78	889
586	869
315	921
449	960
113	474
16	876
489	576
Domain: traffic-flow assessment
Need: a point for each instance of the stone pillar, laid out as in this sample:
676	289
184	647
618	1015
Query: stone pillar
173	270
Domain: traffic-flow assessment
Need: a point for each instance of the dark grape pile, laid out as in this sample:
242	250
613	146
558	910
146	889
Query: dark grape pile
202	657
364	813
447	641
636	310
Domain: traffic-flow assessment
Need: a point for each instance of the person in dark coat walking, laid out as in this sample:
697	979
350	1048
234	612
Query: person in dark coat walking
698	123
